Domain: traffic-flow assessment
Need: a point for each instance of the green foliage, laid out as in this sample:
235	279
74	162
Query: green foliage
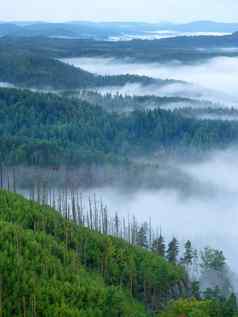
230	306
212	260
173	251
189	308
141	236
188	253
159	246
31	70
51	267
44	129
215	276
204	308
56	268
185	49
225	307
40	277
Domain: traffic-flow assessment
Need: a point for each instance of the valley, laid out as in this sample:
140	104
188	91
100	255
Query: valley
123	145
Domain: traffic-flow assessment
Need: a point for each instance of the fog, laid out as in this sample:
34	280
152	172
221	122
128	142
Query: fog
209	219
207	214
156	35
215	79
217	117
6	85
196	200
219	50
185	90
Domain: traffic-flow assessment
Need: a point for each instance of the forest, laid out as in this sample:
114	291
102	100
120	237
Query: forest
64	269
47	130
184	49
126	103
105	30
28	70
71	142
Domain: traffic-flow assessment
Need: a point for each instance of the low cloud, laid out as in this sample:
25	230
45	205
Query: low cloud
209	218
214	80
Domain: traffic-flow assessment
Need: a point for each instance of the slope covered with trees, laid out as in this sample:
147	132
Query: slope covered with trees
44	129
52	267
184	48
202	308
25	69
104	30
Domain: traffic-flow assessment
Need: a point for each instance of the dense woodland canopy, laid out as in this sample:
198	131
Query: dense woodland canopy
51	266
70	263
116	102
36	71
126	103
185	49
44	129
105	30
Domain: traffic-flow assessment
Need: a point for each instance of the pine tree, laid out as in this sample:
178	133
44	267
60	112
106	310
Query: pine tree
212	259
141	236
173	251
159	246
188	254
230	306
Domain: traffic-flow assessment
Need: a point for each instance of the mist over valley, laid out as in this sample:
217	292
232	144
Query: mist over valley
123	140
213	80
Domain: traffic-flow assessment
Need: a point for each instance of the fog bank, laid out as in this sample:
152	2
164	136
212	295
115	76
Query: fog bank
157	35
184	90
210	219
215	79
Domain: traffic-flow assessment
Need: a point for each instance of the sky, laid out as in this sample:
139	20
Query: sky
119	10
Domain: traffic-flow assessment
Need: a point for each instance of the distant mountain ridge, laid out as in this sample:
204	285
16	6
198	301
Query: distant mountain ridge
205	26
102	30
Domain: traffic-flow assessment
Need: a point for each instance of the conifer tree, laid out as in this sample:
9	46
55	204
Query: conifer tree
141	236
188	253
159	246
173	251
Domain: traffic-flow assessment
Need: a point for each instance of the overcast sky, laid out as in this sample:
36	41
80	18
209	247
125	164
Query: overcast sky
119	10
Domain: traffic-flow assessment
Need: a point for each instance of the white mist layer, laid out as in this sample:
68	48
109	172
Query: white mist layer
6	85
210	220
215	79
174	90
157	35
217	117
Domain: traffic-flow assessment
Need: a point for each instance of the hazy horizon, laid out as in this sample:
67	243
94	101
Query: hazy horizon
119	21
105	10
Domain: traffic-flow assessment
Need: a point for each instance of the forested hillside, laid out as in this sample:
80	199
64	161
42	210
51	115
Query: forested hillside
120	103
44	129
52	267
118	146
105	30
185	49
24	69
